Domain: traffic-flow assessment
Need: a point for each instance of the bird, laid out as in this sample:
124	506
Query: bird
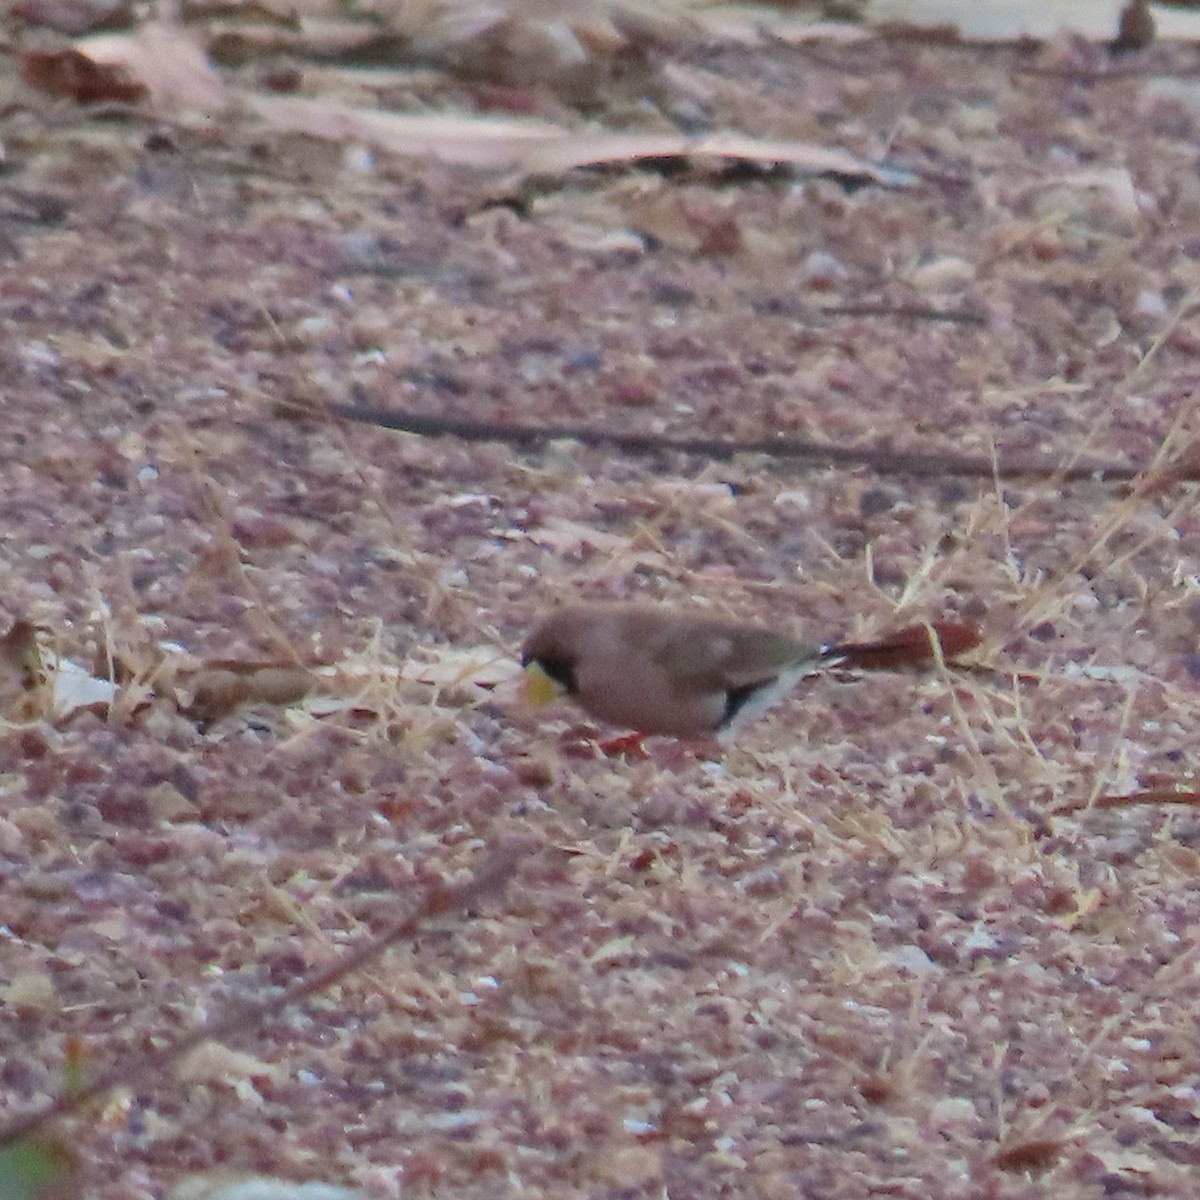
660	670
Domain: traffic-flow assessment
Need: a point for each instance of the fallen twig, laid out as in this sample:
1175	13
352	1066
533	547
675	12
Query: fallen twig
884	460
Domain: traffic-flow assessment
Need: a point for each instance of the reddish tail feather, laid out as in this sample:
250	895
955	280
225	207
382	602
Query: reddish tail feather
907	647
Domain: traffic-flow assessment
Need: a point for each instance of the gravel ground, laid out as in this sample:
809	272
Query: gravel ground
887	944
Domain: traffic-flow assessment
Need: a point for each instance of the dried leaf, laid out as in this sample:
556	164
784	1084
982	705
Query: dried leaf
31	991
674	222
76	688
219	687
536	146
165	802
212	1062
76	76
280	685
1129	1159
165	64
564	536
21	675
1033	1154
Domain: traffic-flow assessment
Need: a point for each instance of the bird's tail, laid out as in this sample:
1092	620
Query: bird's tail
914	645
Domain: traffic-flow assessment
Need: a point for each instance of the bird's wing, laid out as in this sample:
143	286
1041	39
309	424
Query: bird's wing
721	656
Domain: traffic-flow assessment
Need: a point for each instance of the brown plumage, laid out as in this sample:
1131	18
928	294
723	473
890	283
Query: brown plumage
661	671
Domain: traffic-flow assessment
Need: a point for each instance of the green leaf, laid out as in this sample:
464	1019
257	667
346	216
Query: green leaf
32	1167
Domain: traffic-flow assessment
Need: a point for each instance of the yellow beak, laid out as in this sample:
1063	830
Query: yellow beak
537	688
